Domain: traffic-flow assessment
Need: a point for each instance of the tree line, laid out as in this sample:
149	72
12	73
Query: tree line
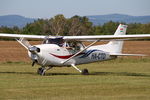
76	25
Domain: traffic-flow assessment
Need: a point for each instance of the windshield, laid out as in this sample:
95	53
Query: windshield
58	41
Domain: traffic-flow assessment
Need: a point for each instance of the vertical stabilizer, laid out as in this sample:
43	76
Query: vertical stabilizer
116	46
121	30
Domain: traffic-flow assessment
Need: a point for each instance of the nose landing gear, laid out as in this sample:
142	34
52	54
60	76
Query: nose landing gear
42	70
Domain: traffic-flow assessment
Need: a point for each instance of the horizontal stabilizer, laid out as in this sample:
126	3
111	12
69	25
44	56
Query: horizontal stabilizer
120	54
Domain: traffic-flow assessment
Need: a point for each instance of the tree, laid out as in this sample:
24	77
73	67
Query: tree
4	29
97	30
79	26
134	28
57	25
109	28
145	28
38	27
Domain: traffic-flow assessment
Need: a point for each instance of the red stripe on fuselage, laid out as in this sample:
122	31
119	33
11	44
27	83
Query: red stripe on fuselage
65	57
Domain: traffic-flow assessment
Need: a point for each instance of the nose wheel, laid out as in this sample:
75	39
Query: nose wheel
42	70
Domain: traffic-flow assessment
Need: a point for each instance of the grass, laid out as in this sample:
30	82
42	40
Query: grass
121	79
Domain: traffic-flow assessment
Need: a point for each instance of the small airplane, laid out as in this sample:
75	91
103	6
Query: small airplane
61	51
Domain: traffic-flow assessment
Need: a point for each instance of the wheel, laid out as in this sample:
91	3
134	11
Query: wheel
40	71
85	72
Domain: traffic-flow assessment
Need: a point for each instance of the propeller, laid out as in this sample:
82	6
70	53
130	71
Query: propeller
34	49
34	56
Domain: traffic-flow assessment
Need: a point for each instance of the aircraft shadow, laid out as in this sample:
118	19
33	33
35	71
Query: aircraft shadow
50	74
34	73
104	74
120	74
92	73
19	73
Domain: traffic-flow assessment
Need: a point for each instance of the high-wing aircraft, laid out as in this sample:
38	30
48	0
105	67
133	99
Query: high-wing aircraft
59	51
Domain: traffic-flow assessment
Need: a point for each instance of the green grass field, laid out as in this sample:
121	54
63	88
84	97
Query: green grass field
121	79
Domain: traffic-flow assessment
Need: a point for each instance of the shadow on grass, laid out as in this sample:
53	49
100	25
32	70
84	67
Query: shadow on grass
120	74
93	73
19	73
34	73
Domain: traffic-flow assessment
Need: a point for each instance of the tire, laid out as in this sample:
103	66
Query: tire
85	72
40	71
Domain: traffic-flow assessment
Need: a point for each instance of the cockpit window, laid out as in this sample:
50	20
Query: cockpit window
58	41
74	45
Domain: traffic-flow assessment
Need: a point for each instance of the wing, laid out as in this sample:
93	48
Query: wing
108	37
6	35
80	38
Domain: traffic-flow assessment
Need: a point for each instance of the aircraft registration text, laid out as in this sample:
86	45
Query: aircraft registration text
98	56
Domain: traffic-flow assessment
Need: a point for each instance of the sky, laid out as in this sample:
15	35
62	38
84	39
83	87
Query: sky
69	8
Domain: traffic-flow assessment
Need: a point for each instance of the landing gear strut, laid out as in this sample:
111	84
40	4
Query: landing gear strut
42	70
83	72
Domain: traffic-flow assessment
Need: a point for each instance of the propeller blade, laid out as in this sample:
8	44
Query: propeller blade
33	63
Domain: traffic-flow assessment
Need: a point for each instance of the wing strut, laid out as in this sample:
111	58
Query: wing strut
80	51
24	43
76	68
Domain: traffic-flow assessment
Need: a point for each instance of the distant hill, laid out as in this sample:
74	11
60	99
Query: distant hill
101	19
14	20
20	21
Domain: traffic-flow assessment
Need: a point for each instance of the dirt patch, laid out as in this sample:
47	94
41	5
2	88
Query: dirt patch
13	51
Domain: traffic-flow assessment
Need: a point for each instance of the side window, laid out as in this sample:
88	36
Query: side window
45	42
73	46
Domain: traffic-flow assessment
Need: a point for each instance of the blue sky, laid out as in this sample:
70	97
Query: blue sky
50	8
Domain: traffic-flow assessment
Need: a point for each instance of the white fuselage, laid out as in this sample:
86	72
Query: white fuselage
54	55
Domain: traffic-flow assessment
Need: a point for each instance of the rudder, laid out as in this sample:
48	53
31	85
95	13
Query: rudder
116	46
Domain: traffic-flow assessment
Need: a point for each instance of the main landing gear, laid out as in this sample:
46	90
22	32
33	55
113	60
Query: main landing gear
83	72
42	70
